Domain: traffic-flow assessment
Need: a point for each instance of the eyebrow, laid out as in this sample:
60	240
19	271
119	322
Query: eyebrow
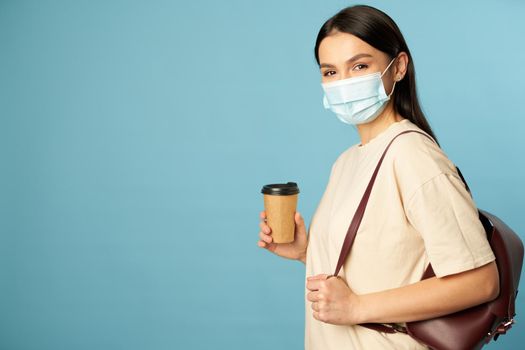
350	60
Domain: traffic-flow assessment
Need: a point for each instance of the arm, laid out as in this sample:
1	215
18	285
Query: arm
333	300
431	297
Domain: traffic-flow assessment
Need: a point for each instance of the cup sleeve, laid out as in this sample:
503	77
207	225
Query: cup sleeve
444	213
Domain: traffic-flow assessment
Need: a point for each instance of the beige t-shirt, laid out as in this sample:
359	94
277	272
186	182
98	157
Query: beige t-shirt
418	211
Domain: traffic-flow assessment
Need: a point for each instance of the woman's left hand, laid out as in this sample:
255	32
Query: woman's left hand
332	300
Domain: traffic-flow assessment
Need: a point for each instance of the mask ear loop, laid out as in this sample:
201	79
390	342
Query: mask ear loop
393	59
393	86
391	92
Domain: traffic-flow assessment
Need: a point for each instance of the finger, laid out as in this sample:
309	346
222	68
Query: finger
314	285
262	215
264	227
266	238
315	306
270	246
300	225
313	296
298	218
321	276
317	316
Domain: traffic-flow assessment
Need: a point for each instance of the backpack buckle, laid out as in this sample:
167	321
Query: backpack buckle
396	327
502	328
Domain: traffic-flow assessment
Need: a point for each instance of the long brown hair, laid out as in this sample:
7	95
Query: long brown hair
379	30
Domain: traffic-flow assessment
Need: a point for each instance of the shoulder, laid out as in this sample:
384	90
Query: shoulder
416	159
343	157
418	156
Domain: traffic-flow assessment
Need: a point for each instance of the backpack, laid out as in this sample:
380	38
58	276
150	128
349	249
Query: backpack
471	328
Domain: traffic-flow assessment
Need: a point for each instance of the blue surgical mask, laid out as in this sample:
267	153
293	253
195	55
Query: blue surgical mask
357	100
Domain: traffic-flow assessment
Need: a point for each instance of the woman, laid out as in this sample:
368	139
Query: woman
419	211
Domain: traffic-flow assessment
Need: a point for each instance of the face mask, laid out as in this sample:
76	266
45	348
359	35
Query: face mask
357	100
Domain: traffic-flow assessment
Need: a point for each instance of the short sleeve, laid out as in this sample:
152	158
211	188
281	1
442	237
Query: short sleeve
323	207
445	215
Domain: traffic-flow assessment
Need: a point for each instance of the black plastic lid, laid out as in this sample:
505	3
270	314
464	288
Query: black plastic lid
281	189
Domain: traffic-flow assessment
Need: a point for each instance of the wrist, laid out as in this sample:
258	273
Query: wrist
359	309
302	258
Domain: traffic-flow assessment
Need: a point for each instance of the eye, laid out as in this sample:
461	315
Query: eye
360	66
328	75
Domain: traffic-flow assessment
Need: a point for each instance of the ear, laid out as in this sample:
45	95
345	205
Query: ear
401	66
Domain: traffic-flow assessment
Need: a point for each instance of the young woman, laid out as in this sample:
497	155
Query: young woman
419	211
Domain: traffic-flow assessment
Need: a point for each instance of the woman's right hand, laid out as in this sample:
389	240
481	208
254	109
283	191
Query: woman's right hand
295	250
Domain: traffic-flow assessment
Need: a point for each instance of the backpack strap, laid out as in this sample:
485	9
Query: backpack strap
354	226
358	216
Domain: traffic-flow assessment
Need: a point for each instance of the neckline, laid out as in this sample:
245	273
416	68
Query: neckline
381	135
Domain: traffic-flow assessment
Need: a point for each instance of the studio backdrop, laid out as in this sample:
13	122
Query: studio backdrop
135	137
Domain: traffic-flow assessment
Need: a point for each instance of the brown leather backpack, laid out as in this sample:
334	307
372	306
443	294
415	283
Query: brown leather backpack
471	328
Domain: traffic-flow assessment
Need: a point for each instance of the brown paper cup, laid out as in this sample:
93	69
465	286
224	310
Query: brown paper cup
280	207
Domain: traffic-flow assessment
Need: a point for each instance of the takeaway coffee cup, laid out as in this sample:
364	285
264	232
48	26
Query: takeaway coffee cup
280	203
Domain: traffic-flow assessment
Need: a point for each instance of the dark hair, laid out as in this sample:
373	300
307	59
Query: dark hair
379	30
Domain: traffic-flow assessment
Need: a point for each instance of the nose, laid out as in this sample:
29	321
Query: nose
345	76
340	76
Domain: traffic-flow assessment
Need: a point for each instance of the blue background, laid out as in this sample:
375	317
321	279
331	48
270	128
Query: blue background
135	137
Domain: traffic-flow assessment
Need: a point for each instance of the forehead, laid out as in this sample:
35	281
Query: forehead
337	48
